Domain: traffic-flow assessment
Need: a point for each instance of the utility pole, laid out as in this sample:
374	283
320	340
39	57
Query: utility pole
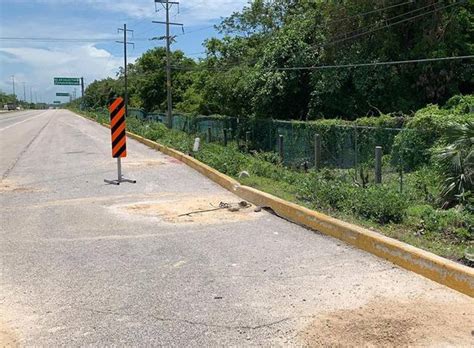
24	91
125	43
167	5
31	95
13	80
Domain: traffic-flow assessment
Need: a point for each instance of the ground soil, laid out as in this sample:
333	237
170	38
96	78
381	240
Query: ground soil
11	186
7	337
384	323
174	210
143	163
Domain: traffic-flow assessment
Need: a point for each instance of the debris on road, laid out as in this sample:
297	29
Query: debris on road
194	209
387	323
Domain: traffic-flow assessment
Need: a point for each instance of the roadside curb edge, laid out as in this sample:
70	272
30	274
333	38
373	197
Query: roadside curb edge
424	263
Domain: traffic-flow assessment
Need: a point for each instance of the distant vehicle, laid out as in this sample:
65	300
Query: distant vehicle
9	107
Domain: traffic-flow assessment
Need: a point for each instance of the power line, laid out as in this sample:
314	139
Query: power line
61	39
196	30
324	67
391	24
370	12
376	29
387	20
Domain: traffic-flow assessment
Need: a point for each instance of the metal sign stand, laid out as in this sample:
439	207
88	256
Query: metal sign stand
120	177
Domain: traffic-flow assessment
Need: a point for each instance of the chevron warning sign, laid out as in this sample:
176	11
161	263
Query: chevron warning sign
117	127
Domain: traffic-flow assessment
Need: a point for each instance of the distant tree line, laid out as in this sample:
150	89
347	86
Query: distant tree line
241	73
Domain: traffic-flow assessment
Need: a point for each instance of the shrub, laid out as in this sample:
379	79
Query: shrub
451	222
412	147
154	130
325	190
457	163
377	203
225	159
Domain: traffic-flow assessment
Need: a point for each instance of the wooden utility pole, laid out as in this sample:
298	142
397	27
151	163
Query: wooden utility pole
125	63
167	6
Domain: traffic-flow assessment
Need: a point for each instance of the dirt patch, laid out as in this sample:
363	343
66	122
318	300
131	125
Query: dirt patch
391	324
207	209
11	186
143	163
7	337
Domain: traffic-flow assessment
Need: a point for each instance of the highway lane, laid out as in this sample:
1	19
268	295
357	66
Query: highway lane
25	125
85	263
9	119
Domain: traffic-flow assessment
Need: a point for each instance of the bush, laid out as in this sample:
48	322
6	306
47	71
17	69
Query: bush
227	160
378	203
412	147
154	130
451	222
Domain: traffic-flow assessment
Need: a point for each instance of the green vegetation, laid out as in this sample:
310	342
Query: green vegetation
12	99
419	215
239	74
249	75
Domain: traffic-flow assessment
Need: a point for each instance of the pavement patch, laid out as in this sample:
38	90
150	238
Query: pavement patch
7	337
205	209
12	186
386	323
145	163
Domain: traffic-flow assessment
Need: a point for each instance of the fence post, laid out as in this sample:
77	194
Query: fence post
280	147
209	134
378	164
225	137
247	141
317	152
356	153
401	169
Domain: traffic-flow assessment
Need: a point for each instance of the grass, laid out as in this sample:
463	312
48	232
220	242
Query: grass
411	217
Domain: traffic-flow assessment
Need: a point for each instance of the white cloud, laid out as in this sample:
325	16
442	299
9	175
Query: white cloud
41	65
192	12
38	62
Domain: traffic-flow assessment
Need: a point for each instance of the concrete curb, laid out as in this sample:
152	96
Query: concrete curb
429	265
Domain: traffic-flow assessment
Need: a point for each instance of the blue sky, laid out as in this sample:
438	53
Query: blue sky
35	63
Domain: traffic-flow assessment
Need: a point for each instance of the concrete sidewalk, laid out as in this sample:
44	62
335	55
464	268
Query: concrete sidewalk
88	263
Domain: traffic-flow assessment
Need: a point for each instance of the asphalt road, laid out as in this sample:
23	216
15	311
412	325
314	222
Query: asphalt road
86	263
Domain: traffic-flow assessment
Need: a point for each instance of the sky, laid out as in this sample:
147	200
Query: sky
34	64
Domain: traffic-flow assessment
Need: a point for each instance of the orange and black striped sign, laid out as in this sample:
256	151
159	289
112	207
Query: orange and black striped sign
117	127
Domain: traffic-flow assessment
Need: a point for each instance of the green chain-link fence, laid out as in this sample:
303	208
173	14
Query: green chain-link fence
342	147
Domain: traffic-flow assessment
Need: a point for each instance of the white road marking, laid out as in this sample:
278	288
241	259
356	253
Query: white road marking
28	119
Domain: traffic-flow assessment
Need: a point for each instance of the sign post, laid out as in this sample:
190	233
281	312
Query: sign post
119	138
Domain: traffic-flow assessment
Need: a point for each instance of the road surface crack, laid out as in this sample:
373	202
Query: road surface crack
17	159
196	323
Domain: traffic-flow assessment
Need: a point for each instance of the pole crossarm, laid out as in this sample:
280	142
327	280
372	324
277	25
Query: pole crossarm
170	23
167	2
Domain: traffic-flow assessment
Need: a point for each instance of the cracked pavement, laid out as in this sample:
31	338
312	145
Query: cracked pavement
76	270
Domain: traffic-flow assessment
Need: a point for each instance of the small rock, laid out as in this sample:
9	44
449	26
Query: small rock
258	209
244	174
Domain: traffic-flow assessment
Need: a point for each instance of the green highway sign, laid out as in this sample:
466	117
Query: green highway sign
60	94
67	81
56	102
